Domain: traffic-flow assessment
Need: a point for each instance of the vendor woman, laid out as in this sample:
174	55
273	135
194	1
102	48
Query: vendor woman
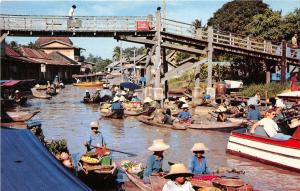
155	161
198	163
95	139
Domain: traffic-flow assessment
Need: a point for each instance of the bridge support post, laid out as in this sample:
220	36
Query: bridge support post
283	61
158	49
165	70
209	56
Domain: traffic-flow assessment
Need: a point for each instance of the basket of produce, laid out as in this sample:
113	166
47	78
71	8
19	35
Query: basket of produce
132	167
89	160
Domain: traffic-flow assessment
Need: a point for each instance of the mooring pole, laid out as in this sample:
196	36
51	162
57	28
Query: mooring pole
283	61
158	48
209	56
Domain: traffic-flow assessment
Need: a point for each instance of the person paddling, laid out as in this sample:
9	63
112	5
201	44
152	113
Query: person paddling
155	161
198	163
95	139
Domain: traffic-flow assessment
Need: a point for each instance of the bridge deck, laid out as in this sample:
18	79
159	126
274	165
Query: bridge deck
141	26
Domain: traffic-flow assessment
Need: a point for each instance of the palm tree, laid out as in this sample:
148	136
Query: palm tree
196	25
116	53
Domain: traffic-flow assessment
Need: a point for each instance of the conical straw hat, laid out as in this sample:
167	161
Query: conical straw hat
182	99
116	99
199	147
185	106
148	100
178	170
158	145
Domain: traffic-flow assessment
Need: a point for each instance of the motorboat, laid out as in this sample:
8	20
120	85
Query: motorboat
280	153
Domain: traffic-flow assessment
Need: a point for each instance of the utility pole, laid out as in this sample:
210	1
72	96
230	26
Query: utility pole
158	49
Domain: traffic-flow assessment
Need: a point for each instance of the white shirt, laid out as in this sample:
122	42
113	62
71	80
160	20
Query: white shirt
71	12
172	186
270	126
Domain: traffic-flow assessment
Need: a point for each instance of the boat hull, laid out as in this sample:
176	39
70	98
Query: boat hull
88	84
279	153
216	126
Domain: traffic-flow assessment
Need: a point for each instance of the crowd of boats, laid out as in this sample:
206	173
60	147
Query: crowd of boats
265	131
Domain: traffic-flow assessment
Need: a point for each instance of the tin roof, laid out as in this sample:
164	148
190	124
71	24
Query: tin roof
10	52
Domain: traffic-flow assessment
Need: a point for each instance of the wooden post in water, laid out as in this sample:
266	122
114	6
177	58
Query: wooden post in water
209	56
158	49
283	61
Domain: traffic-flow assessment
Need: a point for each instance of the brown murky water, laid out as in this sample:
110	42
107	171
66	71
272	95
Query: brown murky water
65	117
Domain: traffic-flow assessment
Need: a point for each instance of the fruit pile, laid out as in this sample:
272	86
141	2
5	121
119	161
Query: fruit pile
90	160
132	107
132	167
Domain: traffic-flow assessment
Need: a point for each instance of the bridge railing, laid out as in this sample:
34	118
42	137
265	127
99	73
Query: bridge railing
223	38
61	23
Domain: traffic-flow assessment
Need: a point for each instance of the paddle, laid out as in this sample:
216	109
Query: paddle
117	151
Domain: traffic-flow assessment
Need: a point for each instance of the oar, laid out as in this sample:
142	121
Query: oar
117	151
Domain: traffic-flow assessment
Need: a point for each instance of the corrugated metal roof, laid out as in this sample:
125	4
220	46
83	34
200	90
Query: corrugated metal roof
10	52
33	53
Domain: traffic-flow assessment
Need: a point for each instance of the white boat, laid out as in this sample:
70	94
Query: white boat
280	153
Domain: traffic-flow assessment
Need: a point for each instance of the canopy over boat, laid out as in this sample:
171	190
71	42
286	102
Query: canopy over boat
27	165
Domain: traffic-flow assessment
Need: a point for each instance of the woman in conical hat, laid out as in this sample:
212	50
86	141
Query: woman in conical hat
155	161
177	176
198	163
185	116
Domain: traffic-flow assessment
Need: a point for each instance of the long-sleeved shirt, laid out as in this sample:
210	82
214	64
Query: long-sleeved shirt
173	186
96	139
116	105
153	165
198	168
184	115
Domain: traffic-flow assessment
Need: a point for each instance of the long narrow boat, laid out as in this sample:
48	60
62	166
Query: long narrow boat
40	94
216	126
89	84
280	153
18	116
150	122
113	115
135	113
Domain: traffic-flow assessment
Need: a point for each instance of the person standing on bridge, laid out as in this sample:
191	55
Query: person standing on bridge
71	12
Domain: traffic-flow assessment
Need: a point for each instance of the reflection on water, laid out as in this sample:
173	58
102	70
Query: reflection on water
65	117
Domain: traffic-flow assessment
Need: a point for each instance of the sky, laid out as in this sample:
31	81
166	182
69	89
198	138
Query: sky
180	10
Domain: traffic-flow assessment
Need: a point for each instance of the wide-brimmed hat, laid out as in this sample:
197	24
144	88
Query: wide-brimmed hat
116	99
94	124
221	108
147	100
17	91
294	123
199	147
185	106
158	145
86	91
182	99
178	170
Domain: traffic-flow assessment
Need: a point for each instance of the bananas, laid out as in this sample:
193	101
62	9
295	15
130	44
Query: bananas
90	160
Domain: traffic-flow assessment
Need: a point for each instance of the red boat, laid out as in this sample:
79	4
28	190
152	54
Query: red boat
280	153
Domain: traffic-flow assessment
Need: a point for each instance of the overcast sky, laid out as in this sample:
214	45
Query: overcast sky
180	10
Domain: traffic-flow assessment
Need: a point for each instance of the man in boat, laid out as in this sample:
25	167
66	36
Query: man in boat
116	105
147	103
87	96
184	116
198	163
95	139
270	126
167	117
178	179
96	96
181	101
155	161
105	93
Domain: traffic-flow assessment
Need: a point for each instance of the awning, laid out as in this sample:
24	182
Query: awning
27	165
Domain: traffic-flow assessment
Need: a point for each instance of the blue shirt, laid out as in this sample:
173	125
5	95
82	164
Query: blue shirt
116	105
153	165
196	168
184	115
95	140
254	114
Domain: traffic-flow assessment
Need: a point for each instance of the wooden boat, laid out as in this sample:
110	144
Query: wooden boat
89	84
18	116
217	126
39	94
147	112
114	115
280	153
150	122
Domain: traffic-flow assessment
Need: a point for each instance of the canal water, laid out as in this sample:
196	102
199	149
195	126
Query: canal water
65	117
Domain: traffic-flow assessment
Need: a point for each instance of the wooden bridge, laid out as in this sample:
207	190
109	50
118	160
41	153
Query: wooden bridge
153	31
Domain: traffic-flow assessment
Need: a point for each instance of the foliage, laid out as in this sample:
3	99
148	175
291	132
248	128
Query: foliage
234	16
32	45
180	56
196	24
291	24
14	45
127	52
57	146
100	63
272	89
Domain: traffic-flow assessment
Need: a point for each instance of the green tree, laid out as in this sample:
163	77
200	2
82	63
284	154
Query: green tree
267	25
116	53
234	16
196	24
100	63
32	45
291	24
14	45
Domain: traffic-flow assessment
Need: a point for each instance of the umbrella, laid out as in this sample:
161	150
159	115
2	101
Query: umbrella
130	85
